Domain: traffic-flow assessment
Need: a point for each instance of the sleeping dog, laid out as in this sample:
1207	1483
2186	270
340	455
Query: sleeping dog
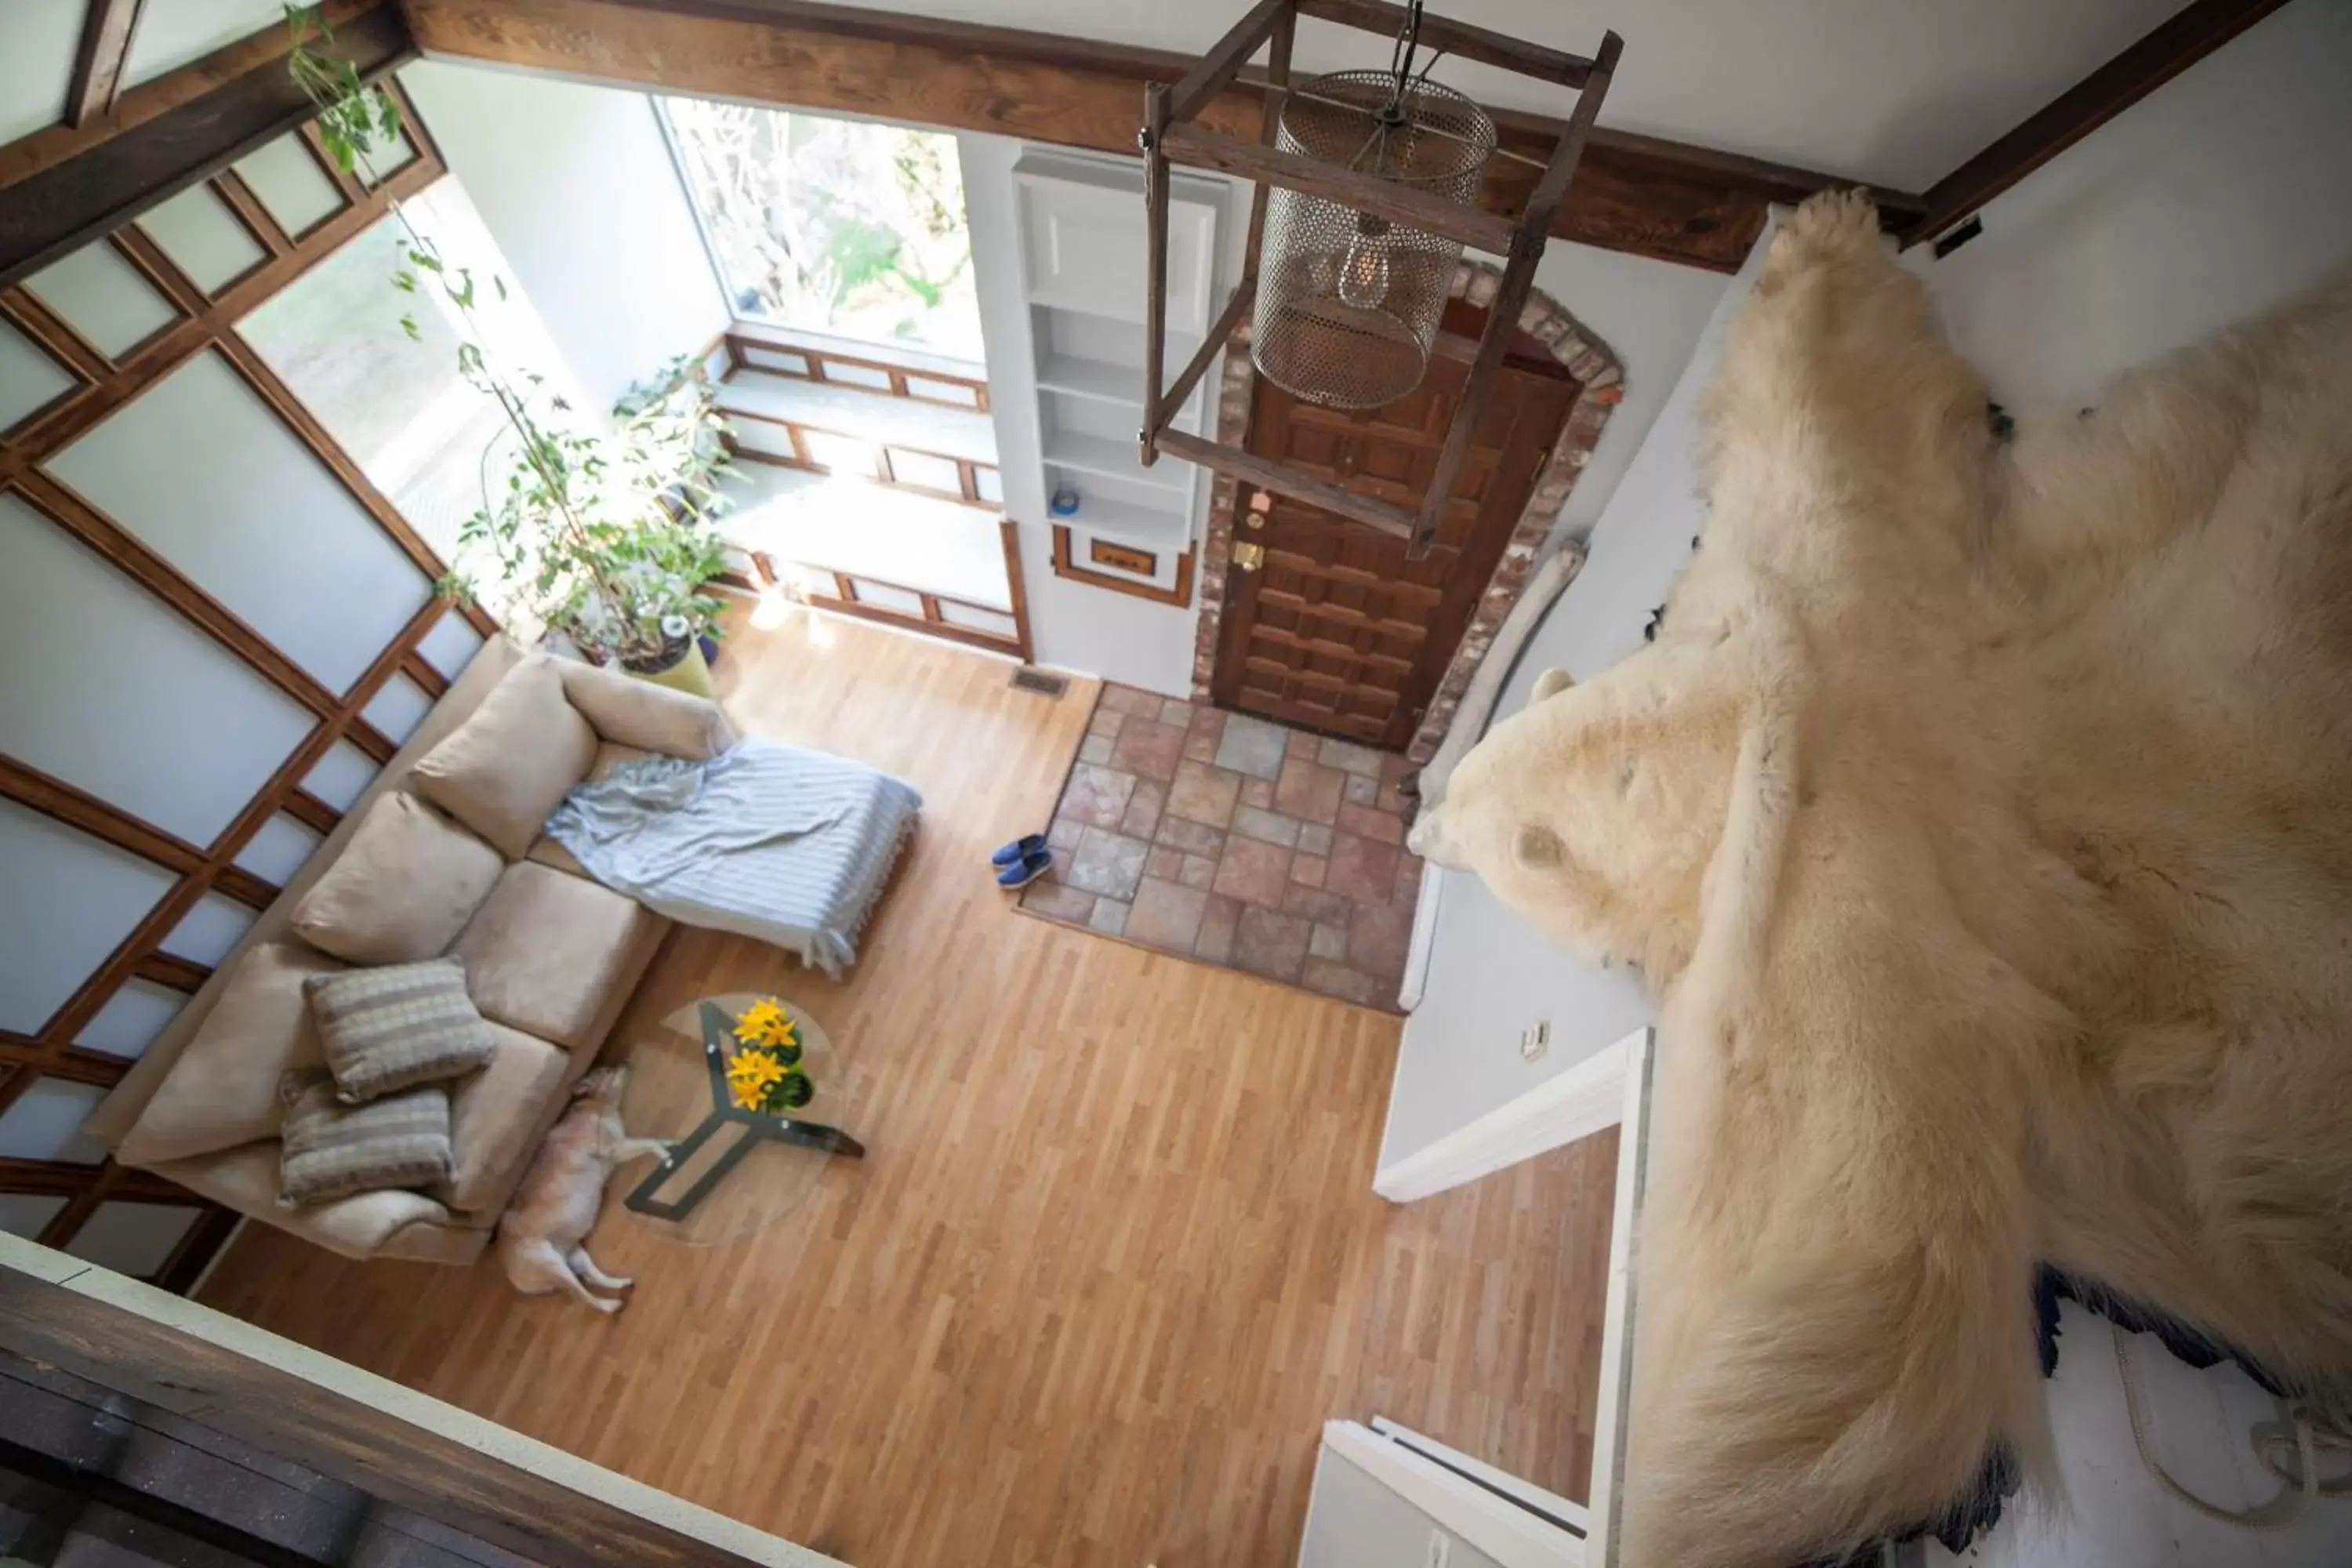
541	1236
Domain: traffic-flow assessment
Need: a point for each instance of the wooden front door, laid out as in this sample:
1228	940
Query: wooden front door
1335	630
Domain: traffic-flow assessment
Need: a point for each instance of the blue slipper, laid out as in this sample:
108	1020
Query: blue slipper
1025	870
1020	849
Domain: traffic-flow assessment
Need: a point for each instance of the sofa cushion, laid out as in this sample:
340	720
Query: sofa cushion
495	1117
545	950
504	769
650	718
223	1089
393	1028
330	1150
402	888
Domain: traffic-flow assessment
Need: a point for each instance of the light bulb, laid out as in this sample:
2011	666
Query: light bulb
1364	270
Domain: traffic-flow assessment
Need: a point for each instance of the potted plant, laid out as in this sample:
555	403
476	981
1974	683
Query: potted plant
603	531
606	536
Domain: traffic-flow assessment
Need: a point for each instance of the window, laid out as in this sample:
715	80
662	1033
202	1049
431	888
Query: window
832	226
401	408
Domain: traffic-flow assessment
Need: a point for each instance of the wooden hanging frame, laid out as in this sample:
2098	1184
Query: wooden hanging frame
1170	134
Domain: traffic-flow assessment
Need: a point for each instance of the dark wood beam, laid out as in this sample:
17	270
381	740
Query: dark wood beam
1637	194
134	106
2186	36
106	33
54	207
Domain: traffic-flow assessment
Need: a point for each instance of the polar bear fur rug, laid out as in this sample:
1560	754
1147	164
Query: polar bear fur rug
1982	815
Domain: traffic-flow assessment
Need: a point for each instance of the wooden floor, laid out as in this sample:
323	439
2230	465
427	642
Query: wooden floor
1113	1257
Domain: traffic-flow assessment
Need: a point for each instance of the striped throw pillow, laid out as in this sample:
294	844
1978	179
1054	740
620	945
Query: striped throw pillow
330	1150
393	1028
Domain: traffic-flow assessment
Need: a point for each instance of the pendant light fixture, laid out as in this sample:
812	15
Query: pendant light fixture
1368	189
1348	302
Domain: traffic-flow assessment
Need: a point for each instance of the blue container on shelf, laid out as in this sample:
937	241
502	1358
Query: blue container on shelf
1065	502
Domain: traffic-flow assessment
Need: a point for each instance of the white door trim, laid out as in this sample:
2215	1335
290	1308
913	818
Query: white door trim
1612	1414
1577	1103
1502	1529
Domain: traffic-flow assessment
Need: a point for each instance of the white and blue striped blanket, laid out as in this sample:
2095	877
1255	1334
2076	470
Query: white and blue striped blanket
765	840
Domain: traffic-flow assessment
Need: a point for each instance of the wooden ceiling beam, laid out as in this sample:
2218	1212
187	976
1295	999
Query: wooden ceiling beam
1636	193
2179	42
106	33
61	188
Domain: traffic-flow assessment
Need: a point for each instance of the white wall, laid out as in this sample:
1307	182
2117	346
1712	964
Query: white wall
576	185
1490	976
1072	624
1651	314
2228	190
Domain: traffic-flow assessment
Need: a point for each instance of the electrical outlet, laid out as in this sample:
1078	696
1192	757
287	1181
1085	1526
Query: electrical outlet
1441	1546
1535	1040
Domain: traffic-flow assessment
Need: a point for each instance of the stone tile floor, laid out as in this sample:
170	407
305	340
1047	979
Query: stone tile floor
1233	840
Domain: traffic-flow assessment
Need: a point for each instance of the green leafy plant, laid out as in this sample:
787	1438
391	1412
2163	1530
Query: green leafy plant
602	531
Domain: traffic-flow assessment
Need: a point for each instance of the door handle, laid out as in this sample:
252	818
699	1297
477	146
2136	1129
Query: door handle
1248	555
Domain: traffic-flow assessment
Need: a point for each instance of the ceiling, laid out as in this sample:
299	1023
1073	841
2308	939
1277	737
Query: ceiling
38	39
1899	92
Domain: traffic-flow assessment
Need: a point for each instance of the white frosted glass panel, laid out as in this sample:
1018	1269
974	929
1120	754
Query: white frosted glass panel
29	379
103	298
942	391
386	161
67	901
278	850
883	596
36	65
844	374
922	468
136	1239
209	929
989	485
45	1123
22	1214
341	775
201	470
841	454
290	184
398	708
775	359
974	616
204	239
131	1019
156	718
450	645
171	32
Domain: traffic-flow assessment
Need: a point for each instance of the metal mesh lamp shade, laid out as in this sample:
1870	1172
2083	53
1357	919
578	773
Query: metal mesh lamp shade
1348	303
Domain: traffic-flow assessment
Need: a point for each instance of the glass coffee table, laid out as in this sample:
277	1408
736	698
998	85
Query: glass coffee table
678	1090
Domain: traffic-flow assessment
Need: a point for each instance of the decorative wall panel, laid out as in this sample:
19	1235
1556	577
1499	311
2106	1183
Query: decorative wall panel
248	513
105	686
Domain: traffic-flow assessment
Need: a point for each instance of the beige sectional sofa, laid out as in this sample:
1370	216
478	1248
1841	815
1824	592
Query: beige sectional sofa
443	856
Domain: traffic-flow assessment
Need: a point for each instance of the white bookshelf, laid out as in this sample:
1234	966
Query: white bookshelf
1082	236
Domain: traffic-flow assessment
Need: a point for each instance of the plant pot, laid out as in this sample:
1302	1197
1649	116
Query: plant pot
681	668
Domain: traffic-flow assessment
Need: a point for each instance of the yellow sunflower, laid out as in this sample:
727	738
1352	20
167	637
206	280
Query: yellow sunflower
760	1020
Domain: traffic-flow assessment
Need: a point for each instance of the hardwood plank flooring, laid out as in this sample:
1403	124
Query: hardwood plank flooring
1113	1257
